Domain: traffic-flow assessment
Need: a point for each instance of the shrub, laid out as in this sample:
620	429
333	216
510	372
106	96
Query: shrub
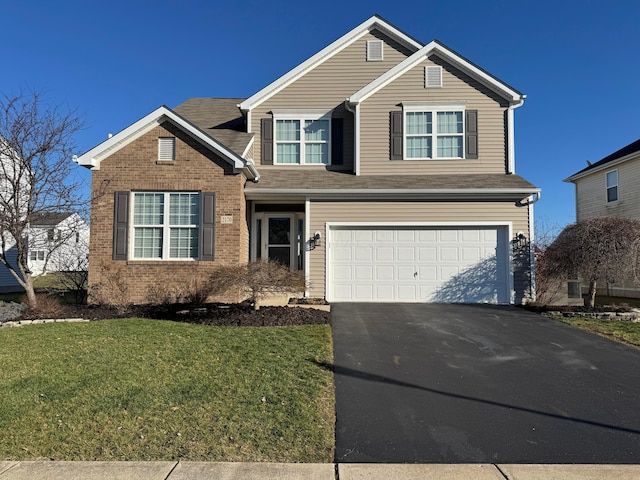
257	279
113	290
46	307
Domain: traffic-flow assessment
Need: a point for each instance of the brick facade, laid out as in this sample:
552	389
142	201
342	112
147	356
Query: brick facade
136	167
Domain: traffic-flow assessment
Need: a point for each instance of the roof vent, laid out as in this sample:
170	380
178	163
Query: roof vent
433	77
374	51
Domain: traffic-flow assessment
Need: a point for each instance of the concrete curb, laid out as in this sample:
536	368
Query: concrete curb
171	470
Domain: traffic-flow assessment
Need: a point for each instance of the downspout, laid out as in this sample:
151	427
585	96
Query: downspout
356	133
511	144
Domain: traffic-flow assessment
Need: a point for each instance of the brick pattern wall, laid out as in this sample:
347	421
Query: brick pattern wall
135	167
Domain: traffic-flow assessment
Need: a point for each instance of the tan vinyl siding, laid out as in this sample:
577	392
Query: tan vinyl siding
591	193
330	83
462	212
457	88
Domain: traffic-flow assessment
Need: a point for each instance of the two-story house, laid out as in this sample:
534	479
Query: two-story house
381	168
609	187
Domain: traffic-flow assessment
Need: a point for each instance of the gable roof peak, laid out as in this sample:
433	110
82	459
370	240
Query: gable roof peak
373	22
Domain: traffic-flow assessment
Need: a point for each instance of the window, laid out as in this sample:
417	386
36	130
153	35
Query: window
36	255
166	149
50	234
612	186
302	140
166	225
433	133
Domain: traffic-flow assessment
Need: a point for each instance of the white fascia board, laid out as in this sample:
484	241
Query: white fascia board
431	48
399	194
93	157
323	55
603	167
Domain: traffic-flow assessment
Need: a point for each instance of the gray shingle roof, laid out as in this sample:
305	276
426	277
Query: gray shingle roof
219	118
45	219
623	152
316	179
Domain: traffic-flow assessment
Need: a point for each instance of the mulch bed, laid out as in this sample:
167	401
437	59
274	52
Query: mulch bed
242	314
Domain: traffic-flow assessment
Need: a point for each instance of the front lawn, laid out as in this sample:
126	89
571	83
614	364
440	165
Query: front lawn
139	389
626	332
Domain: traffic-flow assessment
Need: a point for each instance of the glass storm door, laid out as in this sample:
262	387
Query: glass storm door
280	239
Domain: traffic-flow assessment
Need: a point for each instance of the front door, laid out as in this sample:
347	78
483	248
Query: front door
279	237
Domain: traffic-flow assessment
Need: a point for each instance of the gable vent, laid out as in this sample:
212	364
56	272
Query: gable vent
432	77
167	148
374	51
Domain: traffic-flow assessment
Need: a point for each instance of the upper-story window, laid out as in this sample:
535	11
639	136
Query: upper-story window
166	225
612	186
433	132
302	139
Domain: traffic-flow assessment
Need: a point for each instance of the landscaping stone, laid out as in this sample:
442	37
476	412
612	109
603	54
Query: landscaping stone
10	311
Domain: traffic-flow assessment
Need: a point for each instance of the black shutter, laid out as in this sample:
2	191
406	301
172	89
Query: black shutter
471	139
337	141
120	225
208	227
395	128
266	144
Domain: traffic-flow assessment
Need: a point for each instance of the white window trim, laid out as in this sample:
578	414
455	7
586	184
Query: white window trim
300	116
434	109
166	228
607	186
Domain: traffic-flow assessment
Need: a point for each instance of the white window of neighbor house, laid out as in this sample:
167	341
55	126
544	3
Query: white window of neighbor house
166	149
612	186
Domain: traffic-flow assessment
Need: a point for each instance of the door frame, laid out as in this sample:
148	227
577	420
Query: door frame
296	237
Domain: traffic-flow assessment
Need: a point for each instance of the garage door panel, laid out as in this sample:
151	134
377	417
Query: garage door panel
384	254
384	272
445	264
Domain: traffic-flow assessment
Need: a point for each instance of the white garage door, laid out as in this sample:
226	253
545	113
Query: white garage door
418	264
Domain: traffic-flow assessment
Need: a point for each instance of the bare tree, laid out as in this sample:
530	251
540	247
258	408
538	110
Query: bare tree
36	147
603	248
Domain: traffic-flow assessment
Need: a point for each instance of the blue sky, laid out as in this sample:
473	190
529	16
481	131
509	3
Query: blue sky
578	62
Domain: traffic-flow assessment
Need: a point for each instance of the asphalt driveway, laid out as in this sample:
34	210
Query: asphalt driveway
437	383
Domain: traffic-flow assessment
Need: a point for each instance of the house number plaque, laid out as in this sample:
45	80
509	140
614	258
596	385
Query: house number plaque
226	219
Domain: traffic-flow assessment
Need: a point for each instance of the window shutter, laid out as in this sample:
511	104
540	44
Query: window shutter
374	50
337	141
166	148
432	77
266	130
395	128
208	227
471	130
120	225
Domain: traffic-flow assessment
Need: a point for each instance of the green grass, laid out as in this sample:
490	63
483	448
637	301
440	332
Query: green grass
140	389
626	332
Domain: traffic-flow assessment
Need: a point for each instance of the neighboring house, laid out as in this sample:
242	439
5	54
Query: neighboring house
381	168
58	242
609	187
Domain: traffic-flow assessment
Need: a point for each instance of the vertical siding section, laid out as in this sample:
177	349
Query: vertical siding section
330	83
591	193
323	212
457	88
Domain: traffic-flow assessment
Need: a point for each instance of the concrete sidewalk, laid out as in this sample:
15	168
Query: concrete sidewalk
44	470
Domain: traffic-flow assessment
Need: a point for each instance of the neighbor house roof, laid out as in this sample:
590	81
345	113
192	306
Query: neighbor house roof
219	118
608	161
46	219
338	184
